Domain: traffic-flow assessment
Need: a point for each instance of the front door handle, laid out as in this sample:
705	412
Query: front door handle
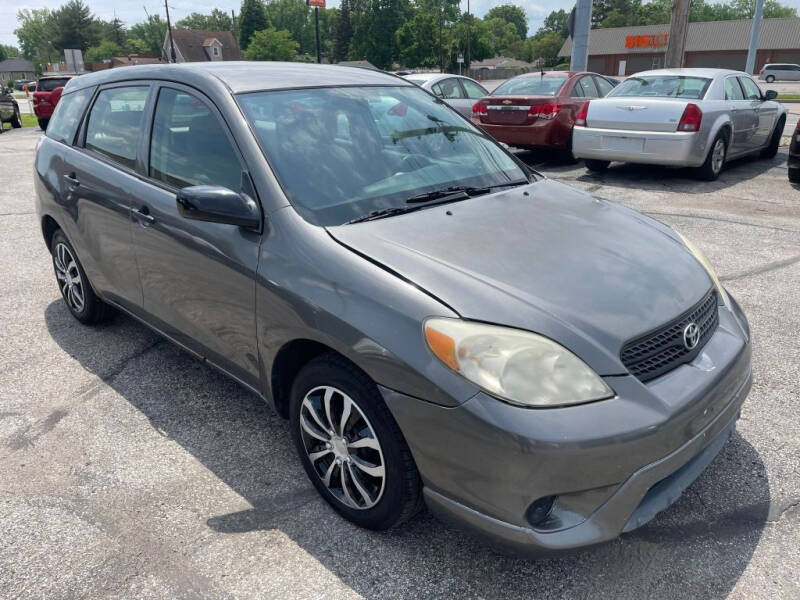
71	179
143	216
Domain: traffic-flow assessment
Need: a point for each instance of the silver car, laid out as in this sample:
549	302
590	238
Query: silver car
680	117
458	91
779	72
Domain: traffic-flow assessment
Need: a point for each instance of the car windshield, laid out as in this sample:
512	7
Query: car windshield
663	86
531	86
342	153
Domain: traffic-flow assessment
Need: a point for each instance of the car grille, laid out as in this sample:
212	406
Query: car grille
662	350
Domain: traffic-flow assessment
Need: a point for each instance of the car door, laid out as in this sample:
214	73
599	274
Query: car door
98	175
765	112
794	72
451	92
743	117
198	277
584	89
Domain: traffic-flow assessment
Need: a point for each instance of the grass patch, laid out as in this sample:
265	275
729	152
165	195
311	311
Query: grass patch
27	121
788	97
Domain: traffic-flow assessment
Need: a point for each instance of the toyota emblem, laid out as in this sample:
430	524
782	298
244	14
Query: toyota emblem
691	336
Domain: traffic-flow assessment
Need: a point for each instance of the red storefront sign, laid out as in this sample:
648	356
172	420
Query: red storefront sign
646	41
320	3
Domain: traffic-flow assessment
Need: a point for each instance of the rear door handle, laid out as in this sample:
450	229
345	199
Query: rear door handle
71	179
143	215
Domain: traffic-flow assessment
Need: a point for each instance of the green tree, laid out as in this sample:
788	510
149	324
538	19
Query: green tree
148	36
502	35
35	33
7	51
271	44
252	18
74	26
343	33
375	24
418	40
544	48
556	21
103	51
218	20
113	31
296	17
511	14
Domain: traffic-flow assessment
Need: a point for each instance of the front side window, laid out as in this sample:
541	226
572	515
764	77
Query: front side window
733	91
67	115
341	153
115	123
449	89
531	85
188	145
474	91
751	90
662	86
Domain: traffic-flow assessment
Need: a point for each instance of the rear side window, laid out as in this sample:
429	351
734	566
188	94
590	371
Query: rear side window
67	115
585	88
48	85
603	85
474	91
189	146
751	90
448	89
733	91
115	122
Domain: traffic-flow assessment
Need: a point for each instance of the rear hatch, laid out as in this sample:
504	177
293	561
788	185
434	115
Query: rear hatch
636	114
48	93
516	110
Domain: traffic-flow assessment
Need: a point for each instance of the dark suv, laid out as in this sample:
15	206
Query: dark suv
438	322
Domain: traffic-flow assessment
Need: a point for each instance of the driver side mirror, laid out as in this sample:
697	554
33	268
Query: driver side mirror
770	95
217	204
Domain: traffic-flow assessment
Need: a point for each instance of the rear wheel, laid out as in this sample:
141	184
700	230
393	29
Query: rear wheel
43	124
16	120
596	166
794	175
350	445
715	160
75	289
771	149
770	78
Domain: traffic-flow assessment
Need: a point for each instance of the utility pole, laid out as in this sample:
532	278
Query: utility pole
580	36
316	28
441	56
469	23
172	58
233	25
754	33
678	27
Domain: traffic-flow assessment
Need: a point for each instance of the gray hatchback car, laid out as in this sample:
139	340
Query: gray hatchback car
439	324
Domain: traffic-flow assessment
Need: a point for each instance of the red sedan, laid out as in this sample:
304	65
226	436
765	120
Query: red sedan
537	110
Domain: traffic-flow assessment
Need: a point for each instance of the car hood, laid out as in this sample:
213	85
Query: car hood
545	257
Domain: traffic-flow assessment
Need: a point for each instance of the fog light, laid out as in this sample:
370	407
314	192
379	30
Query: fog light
539	510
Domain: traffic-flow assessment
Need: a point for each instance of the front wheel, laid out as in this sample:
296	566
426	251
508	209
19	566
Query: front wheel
715	160
771	149
596	166
16	120
43	124
770	78
350	445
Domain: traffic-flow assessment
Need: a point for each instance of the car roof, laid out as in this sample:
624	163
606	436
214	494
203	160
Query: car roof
707	73
245	76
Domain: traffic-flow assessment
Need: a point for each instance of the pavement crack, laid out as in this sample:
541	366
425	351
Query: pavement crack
722	220
765	268
777	514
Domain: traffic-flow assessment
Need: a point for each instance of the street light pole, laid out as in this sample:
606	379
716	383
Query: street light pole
755	30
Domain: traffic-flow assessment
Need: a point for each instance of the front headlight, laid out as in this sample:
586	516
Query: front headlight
517	366
701	258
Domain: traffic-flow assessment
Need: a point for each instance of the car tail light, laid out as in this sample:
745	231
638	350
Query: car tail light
544	111
580	116
691	118
479	108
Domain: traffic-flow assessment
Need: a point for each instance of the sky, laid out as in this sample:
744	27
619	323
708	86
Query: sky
132	11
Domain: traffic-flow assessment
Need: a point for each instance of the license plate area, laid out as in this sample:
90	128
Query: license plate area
623	144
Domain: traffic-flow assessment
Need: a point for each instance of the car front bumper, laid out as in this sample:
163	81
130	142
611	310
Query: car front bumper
676	149
611	465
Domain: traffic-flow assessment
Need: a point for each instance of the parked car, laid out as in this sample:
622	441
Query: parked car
794	156
458	91
9	111
537	110
20	84
438	322
46	97
779	72
680	117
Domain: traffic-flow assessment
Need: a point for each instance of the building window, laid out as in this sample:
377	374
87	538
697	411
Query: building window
216	51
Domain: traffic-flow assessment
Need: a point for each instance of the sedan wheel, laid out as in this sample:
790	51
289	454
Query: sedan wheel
69	277
715	159
718	155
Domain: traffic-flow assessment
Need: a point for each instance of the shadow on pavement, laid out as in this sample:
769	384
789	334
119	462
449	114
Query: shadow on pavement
697	548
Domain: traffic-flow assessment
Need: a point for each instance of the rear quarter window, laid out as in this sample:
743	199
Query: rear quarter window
64	122
48	85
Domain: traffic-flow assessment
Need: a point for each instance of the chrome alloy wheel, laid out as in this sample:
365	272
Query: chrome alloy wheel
718	155
342	447
69	277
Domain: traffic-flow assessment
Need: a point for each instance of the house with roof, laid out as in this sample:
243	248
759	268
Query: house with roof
193	45
16	69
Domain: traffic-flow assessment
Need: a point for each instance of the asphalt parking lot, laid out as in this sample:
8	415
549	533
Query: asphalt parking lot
129	470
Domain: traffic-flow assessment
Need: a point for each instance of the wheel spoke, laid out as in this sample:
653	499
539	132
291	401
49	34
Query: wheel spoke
365	442
361	490
326	400
346	408
345	490
326	479
310	407
315	456
311	430
374	470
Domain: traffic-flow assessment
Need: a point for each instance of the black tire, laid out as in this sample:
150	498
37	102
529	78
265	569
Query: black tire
92	310
596	166
770	78
709	171
566	156
43	124
16	120
794	175
401	496
771	149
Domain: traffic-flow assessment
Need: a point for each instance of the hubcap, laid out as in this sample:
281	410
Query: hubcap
342	447
718	156
69	277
